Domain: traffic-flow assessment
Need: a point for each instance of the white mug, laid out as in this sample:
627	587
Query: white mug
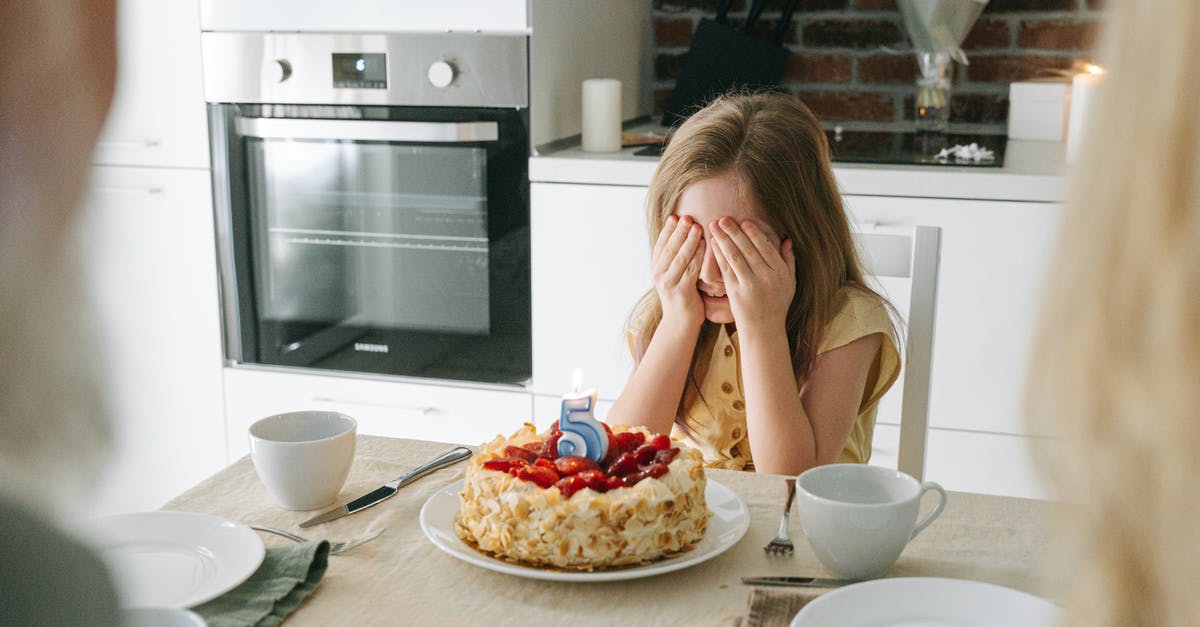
303	457
859	518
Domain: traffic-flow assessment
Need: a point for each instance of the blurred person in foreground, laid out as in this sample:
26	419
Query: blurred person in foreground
1117	368
57	70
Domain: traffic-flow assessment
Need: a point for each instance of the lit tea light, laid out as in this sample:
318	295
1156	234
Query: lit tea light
582	434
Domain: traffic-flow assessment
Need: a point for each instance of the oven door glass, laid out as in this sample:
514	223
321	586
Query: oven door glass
385	246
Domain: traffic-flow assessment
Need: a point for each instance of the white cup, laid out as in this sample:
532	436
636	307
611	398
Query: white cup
859	518
303	457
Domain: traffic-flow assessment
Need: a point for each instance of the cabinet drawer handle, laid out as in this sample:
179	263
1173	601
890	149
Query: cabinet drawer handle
128	191
129	143
424	410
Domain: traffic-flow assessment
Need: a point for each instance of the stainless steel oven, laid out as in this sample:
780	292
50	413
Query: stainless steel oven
372	201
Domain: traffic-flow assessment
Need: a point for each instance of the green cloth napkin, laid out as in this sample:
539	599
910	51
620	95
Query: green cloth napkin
286	577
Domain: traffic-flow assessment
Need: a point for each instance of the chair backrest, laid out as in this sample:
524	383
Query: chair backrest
914	256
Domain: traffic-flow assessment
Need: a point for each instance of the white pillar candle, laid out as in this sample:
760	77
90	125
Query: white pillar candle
601	115
1083	90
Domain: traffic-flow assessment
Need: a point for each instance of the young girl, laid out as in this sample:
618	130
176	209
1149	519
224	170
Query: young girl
760	343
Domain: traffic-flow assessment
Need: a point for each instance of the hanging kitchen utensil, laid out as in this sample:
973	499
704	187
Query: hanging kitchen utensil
721	59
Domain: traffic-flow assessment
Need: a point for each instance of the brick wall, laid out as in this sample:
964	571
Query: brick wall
840	69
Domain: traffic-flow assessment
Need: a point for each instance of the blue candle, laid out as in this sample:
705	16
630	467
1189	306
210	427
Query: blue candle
582	434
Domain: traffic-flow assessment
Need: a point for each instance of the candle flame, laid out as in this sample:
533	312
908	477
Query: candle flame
576	380
1093	69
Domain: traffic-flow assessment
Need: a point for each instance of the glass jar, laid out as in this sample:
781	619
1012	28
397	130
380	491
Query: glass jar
931	107
931	111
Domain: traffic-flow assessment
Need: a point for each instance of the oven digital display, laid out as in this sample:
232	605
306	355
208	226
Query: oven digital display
360	70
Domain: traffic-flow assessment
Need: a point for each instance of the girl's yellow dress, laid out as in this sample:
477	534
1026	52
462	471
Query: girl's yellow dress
715	409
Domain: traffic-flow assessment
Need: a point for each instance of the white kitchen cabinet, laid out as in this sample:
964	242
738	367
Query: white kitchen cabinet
365	15
148	252
991	463
591	263
445	413
995	256
150	268
994	260
970	461
158	115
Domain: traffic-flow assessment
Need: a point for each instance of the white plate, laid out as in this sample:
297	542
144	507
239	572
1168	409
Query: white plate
174	559
729	521
927	602
160	617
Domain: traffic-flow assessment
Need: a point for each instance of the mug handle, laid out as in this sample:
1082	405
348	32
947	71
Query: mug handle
937	510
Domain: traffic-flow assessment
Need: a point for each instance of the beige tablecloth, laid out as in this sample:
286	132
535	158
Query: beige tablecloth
402	578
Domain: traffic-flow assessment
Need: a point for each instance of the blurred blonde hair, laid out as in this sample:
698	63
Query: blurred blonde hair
56	83
1117	367
774	147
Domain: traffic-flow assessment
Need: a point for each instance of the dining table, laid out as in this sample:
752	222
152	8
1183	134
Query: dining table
403	578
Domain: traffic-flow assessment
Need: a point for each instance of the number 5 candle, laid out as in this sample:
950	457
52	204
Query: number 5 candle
582	434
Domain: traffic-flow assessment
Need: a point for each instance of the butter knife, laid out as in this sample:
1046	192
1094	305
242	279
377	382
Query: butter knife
813	582
384	492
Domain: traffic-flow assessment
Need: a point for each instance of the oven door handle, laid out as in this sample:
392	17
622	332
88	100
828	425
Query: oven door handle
368	130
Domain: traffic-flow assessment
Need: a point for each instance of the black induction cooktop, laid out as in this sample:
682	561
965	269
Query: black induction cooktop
899	148
912	148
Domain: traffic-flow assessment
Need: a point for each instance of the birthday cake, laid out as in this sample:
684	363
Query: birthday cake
524	502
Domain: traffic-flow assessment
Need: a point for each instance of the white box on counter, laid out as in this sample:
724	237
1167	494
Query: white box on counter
1038	110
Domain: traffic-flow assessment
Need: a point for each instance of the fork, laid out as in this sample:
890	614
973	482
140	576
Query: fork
782	544
334	547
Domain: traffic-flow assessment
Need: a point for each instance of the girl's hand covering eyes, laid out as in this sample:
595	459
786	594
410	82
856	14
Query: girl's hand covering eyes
760	277
675	264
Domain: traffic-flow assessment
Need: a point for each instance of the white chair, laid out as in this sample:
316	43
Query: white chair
915	256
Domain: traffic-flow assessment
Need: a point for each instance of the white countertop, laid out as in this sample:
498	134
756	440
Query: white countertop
1032	171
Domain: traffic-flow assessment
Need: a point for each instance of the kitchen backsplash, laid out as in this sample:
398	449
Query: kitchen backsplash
851	61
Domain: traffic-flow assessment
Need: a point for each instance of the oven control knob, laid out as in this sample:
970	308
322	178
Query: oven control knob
279	71
442	73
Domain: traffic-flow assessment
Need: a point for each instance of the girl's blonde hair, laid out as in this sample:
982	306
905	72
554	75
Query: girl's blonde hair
1117	366
775	149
